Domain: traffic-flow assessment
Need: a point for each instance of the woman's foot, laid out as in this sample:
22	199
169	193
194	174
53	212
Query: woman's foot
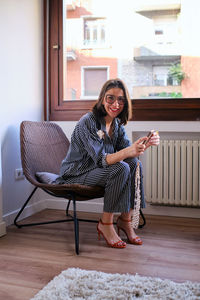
126	226
108	232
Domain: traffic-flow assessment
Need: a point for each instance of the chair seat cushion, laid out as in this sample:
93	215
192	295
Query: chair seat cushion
46	177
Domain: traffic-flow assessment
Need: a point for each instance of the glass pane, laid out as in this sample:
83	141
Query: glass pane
150	44
94	79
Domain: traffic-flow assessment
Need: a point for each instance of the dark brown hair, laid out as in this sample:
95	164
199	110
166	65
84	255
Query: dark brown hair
99	109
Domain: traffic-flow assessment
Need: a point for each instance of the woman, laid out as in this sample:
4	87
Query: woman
101	154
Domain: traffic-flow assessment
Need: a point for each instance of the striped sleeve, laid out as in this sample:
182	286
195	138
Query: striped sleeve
90	142
122	140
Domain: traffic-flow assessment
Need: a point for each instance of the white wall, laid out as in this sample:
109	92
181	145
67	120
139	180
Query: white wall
21	79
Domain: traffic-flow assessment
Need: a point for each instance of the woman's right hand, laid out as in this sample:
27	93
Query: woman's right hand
137	148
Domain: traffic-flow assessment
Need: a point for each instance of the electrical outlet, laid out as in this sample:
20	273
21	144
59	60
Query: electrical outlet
19	174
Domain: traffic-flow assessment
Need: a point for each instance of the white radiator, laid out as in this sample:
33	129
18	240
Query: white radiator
173	173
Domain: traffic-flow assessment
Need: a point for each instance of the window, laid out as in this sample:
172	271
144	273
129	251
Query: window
93	79
166	31
144	41
161	76
94	32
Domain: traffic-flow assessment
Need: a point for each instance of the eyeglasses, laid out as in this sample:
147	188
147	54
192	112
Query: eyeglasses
110	99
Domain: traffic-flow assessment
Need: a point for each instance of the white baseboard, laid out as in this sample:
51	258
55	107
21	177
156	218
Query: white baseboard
28	211
97	207
94	206
53	203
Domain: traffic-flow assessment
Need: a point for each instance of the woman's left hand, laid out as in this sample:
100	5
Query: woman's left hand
154	140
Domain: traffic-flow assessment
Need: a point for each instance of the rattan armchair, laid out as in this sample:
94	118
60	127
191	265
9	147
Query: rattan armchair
43	147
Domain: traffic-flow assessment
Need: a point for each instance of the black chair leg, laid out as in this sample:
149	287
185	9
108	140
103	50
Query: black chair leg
38	223
67	208
76	227
21	210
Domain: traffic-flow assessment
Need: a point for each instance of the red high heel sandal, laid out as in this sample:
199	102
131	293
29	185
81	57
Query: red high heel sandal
135	241
118	244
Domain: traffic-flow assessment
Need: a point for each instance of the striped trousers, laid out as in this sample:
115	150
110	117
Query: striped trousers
119	183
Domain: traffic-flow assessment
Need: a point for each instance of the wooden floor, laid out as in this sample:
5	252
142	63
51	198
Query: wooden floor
31	256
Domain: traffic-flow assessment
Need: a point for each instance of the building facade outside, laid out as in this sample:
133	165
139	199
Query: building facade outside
138	41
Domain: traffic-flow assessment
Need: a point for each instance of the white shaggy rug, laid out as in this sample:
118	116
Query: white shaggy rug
78	284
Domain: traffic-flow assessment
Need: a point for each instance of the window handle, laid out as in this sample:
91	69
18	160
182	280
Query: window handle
56	47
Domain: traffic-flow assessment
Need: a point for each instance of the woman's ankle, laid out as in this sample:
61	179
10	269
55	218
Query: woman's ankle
107	218
105	223
125	217
125	220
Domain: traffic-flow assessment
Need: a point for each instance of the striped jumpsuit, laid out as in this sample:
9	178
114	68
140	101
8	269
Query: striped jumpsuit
86	164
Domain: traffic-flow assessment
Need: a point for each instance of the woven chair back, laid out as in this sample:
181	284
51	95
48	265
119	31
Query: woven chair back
43	147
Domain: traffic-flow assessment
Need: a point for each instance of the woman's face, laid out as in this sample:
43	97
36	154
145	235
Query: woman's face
113	102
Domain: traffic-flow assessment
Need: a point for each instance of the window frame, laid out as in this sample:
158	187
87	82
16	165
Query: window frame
182	109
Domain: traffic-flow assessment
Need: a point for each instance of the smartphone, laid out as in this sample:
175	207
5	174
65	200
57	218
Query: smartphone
149	135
